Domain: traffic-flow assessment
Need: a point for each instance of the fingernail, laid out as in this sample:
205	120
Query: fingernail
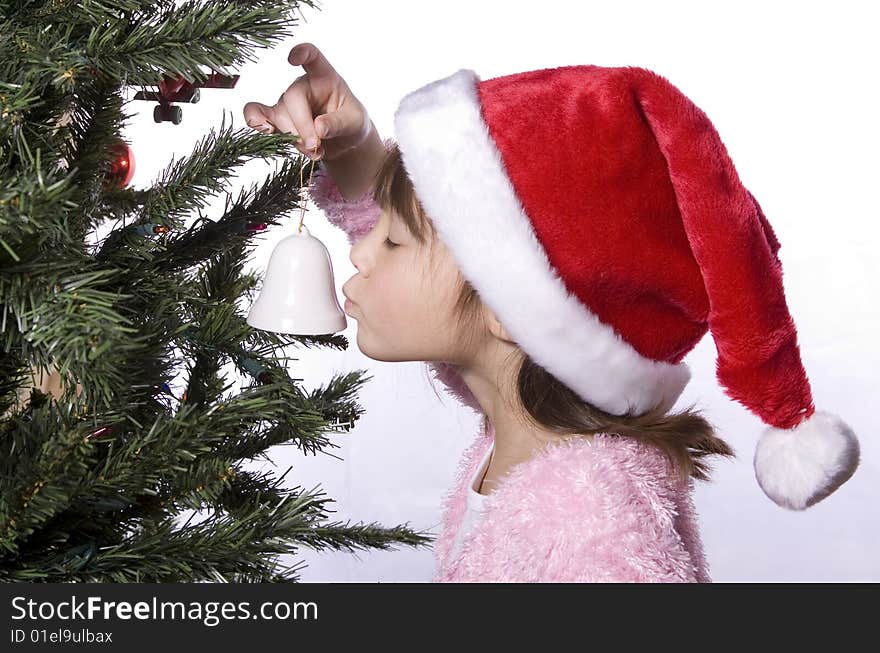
310	142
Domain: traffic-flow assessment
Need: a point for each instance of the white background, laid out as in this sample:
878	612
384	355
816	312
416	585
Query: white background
791	88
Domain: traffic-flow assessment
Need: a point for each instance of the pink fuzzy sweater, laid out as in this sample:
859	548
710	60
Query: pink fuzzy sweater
606	510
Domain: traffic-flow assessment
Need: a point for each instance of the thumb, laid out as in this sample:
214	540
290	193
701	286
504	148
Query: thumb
328	125
257	115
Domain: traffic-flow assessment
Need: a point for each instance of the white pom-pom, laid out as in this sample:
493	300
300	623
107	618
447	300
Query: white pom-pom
799	467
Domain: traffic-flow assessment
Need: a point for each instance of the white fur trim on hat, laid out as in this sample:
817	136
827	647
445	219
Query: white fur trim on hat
801	466
460	179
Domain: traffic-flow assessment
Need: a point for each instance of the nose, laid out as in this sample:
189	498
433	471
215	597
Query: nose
362	252
356	255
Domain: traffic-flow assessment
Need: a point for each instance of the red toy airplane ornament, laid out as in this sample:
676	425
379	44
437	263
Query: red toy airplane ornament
177	89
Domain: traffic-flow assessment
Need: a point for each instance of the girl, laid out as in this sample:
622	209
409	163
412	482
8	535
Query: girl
552	243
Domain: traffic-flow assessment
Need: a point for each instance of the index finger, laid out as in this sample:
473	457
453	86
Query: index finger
310	57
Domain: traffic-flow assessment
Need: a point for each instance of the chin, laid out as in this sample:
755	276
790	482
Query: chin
382	357
366	349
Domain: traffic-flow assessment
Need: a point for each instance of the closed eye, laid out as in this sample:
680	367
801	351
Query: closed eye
389	244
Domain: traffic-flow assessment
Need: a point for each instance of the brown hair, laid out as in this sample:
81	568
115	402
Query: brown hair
686	437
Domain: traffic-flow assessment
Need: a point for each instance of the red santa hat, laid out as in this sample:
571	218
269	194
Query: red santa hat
598	214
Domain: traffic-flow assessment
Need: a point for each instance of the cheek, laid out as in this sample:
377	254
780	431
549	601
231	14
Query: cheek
393	297
409	313
412	299
401	298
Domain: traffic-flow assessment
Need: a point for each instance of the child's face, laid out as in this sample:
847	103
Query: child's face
403	299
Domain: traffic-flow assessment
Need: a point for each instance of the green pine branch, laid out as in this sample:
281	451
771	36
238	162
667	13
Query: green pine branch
143	324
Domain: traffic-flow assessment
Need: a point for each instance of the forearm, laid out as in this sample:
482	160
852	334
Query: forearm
354	172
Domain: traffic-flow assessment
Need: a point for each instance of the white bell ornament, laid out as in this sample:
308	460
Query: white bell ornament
298	295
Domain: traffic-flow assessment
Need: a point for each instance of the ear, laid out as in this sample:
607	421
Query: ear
496	328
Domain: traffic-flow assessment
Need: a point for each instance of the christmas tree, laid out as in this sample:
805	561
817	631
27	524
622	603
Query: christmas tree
138	425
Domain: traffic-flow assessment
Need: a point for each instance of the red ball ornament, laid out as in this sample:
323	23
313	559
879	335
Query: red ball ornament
121	165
